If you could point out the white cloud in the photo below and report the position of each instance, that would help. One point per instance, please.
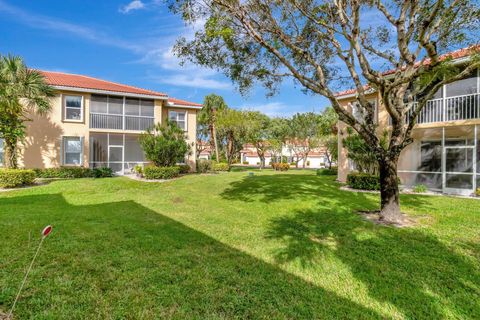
(194, 81)
(273, 109)
(134, 5)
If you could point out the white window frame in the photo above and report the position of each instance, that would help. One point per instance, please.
(176, 121)
(64, 151)
(64, 101)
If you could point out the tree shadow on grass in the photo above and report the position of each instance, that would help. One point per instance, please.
(122, 260)
(408, 268)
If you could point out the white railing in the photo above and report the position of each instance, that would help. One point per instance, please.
(138, 123)
(120, 122)
(463, 107)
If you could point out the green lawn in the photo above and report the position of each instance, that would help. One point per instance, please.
(275, 245)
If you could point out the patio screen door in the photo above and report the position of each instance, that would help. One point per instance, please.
(459, 171)
(115, 158)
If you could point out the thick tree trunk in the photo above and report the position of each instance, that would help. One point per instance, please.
(389, 192)
(10, 155)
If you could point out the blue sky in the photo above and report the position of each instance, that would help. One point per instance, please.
(128, 42)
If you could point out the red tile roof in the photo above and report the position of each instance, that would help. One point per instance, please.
(457, 54)
(79, 81)
(179, 102)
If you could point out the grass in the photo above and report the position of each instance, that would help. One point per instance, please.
(272, 245)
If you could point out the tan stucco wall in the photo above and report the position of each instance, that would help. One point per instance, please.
(410, 156)
(41, 148)
(191, 130)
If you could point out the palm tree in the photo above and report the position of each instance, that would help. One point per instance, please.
(212, 105)
(22, 91)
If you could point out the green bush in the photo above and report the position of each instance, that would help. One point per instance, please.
(184, 168)
(420, 188)
(293, 163)
(138, 169)
(327, 172)
(308, 163)
(477, 192)
(161, 172)
(64, 172)
(363, 181)
(204, 166)
(280, 166)
(11, 178)
(245, 162)
(222, 166)
(102, 172)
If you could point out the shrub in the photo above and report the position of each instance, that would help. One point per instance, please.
(64, 172)
(245, 162)
(477, 192)
(184, 168)
(293, 163)
(308, 163)
(164, 144)
(327, 172)
(11, 178)
(138, 169)
(420, 188)
(280, 166)
(161, 172)
(103, 172)
(363, 181)
(222, 166)
(204, 166)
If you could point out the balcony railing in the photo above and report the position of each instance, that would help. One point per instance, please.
(120, 122)
(463, 107)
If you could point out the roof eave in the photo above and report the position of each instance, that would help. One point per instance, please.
(122, 93)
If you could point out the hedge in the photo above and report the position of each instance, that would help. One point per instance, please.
(204, 166)
(280, 166)
(221, 166)
(151, 173)
(102, 172)
(327, 172)
(184, 168)
(363, 181)
(64, 172)
(11, 178)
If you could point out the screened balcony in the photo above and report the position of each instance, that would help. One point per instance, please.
(459, 100)
(121, 113)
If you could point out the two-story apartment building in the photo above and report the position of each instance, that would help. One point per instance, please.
(95, 123)
(445, 154)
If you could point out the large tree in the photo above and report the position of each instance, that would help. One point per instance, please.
(232, 128)
(212, 105)
(22, 92)
(324, 45)
(257, 133)
(305, 135)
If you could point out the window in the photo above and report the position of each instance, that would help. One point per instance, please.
(73, 108)
(180, 118)
(462, 87)
(73, 150)
(1, 152)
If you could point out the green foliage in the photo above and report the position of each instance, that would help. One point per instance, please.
(102, 172)
(361, 154)
(164, 144)
(221, 166)
(245, 162)
(477, 192)
(184, 168)
(363, 181)
(64, 172)
(232, 128)
(204, 166)
(12, 178)
(420, 188)
(152, 172)
(138, 169)
(279, 166)
(327, 172)
(22, 90)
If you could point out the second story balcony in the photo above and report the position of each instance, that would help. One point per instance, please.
(121, 113)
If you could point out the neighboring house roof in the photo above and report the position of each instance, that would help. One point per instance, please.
(182, 103)
(457, 54)
(65, 81)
